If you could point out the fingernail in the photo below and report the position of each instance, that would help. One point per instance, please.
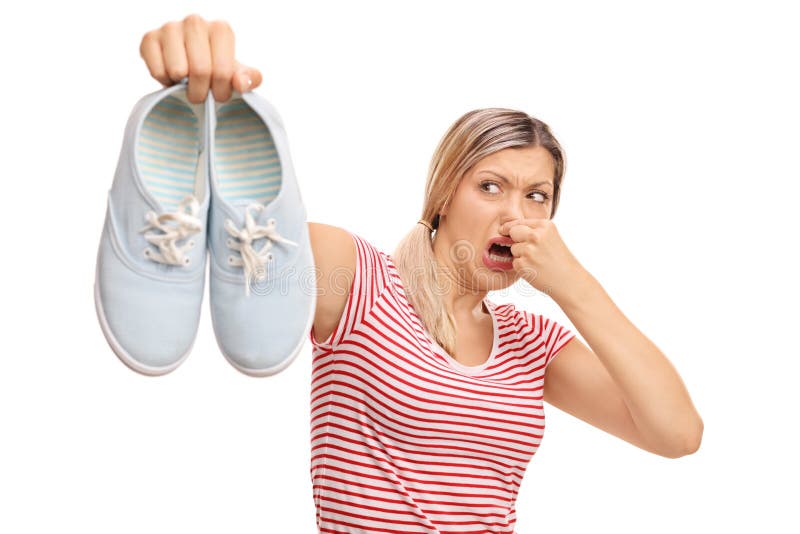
(245, 81)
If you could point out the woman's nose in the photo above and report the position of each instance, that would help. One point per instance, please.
(505, 228)
(512, 212)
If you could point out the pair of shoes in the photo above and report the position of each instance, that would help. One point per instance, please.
(195, 181)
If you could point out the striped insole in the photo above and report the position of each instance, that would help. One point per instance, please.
(168, 152)
(245, 159)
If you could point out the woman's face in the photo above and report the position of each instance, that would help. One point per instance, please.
(514, 183)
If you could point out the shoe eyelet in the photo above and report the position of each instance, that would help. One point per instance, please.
(271, 221)
(191, 243)
(270, 256)
(187, 261)
(229, 242)
(230, 260)
(147, 253)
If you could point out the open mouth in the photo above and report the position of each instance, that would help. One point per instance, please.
(501, 253)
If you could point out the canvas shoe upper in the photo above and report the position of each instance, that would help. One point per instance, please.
(151, 260)
(261, 278)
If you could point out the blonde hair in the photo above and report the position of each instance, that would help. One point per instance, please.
(472, 137)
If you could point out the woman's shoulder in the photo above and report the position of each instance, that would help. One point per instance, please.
(351, 273)
(506, 309)
(531, 327)
(521, 316)
(335, 246)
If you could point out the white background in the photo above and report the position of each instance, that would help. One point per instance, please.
(679, 122)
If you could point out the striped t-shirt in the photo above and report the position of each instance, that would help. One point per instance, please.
(406, 439)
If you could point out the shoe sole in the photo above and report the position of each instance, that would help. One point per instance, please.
(256, 177)
(167, 150)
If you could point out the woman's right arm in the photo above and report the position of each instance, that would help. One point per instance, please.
(335, 262)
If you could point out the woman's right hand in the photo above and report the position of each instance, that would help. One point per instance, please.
(201, 50)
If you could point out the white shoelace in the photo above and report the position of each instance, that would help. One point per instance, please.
(175, 225)
(252, 260)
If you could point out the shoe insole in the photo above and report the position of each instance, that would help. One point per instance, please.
(245, 159)
(168, 152)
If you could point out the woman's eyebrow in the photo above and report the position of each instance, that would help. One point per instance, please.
(507, 181)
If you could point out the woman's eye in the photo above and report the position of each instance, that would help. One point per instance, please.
(545, 196)
(544, 199)
(486, 184)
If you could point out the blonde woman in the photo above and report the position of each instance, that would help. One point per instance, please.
(427, 397)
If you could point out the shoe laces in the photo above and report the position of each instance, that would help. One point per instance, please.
(174, 226)
(253, 261)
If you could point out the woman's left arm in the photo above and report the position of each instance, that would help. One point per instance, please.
(651, 388)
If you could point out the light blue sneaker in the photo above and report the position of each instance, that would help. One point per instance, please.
(262, 281)
(151, 262)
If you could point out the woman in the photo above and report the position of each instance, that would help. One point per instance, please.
(427, 398)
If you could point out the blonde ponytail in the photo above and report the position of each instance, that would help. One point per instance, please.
(419, 271)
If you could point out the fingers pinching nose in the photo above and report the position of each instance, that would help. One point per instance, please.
(506, 226)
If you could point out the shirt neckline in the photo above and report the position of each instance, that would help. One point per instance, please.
(472, 369)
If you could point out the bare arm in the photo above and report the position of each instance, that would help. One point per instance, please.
(335, 263)
(625, 385)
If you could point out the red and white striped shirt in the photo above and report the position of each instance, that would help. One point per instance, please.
(406, 439)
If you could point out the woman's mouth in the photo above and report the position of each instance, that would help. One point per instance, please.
(497, 256)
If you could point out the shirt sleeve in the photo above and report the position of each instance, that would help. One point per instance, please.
(553, 334)
(370, 278)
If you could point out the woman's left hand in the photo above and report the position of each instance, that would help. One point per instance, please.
(541, 257)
